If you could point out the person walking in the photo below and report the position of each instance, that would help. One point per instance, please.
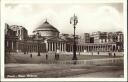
(110, 54)
(114, 55)
(98, 52)
(30, 55)
(46, 56)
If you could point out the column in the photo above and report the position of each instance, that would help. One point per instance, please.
(84, 47)
(17, 46)
(77, 48)
(96, 47)
(60, 46)
(68, 47)
(12, 45)
(52, 46)
(107, 47)
(93, 48)
(55, 46)
(112, 47)
(72, 47)
(87, 48)
(80, 48)
(64, 46)
(49, 46)
(102, 48)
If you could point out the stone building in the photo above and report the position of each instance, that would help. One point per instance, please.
(20, 31)
(99, 37)
(10, 39)
(109, 41)
(87, 37)
(46, 38)
(50, 37)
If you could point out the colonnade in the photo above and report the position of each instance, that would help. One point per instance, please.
(92, 47)
(53, 46)
(30, 47)
(10, 45)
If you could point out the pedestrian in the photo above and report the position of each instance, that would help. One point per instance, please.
(46, 56)
(114, 55)
(98, 52)
(55, 56)
(31, 55)
(110, 54)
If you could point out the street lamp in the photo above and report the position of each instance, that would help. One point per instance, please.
(74, 21)
(38, 41)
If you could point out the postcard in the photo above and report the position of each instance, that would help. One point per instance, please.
(63, 40)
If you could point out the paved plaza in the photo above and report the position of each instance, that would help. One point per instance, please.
(88, 66)
(27, 58)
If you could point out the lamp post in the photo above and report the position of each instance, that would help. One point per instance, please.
(38, 43)
(74, 21)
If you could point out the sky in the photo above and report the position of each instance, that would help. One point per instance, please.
(92, 17)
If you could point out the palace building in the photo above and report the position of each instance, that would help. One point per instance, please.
(46, 38)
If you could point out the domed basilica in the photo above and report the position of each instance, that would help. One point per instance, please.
(47, 30)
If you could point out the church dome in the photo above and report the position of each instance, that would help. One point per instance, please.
(47, 30)
(46, 27)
